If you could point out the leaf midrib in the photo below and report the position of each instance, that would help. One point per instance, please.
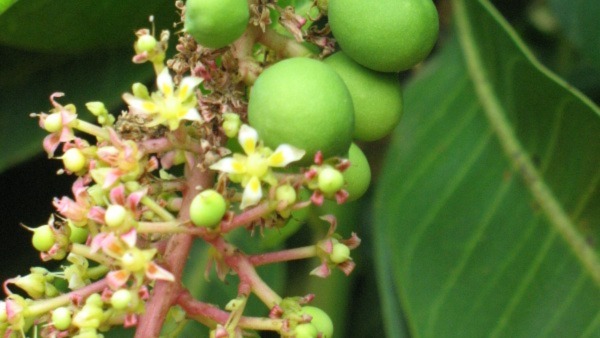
(513, 149)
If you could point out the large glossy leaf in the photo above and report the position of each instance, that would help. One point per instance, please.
(492, 230)
(579, 19)
(74, 26)
(5, 4)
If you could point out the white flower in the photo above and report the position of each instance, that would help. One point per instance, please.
(168, 106)
(255, 167)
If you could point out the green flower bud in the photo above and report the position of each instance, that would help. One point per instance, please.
(231, 124)
(121, 299)
(34, 284)
(340, 253)
(146, 43)
(207, 208)
(139, 90)
(74, 160)
(115, 215)
(286, 193)
(97, 194)
(61, 318)
(53, 123)
(97, 108)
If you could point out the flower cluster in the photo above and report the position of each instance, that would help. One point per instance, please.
(141, 182)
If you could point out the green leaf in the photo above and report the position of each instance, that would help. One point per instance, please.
(5, 4)
(492, 230)
(75, 26)
(579, 19)
(29, 78)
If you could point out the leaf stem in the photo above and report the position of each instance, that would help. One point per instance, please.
(514, 150)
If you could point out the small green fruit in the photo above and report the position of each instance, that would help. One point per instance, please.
(77, 234)
(43, 238)
(340, 253)
(377, 97)
(306, 330)
(216, 23)
(304, 103)
(320, 320)
(121, 299)
(207, 208)
(384, 35)
(286, 193)
(358, 175)
(330, 180)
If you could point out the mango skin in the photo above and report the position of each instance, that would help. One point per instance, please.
(377, 97)
(358, 175)
(304, 103)
(385, 35)
(216, 23)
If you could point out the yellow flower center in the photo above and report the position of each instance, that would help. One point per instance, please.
(171, 109)
(257, 165)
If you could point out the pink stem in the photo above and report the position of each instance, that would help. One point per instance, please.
(283, 256)
(210, 314)
(165, 293)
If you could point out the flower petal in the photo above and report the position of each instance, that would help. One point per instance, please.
(186, 87)
(165, 82)
(154, 272)
(229, 165)
(284, 154)
(252, 193)
(116, 279)
(192, 115)
(141, 105)
(248, 138)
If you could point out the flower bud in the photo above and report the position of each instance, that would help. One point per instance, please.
(340, 253)
(74, 160)
(121, 299)
(115, 215)
(97, 108)
(53, 123)
(33, 283)
(231, 124)
(286, 193)
(61, 318)
(139, 90)
(146, 43)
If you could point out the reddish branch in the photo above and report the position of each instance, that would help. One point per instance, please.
(165, 293)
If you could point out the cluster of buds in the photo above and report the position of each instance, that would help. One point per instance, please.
(153, 181)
